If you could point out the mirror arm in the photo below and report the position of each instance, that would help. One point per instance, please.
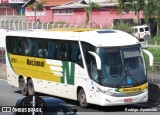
(151, 58)
(98, 60)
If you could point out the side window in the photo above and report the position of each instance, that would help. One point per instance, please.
(141, 29)
(61, 48)
(10, 44)
(33, 47)
(15, 45)
(87, 47)
(49, 49)
(92, 69)
(76, 54)
(27, 46)
(136, 30)
(90, 61)
(74, 51)
(40, 50)
(18, 46)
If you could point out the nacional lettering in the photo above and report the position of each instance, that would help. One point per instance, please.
(131, 89)
(35, 63)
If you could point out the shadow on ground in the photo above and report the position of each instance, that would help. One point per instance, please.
(154, 93)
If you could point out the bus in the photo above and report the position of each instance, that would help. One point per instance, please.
(101, 67)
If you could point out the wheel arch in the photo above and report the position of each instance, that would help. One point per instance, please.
(78, 90)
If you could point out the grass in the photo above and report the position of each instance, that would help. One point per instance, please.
(155, 40)
(155, 52)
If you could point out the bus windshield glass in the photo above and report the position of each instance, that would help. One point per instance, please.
(122, 66)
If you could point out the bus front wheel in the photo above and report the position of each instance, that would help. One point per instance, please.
(82, 98)
(23, 87)
(30, 87)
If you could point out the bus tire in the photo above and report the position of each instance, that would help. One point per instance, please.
(23, 87)
(30, 87)
(82, 99)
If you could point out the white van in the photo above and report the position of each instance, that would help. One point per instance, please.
(141, 32)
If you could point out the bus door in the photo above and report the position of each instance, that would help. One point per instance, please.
(72, 64)
(93, 91)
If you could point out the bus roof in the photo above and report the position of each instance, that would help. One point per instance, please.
(98, 38)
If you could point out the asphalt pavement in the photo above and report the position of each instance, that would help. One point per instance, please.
(154, 95)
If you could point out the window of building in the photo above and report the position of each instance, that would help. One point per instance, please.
(70, 12)
(63, 12)
(56, 12)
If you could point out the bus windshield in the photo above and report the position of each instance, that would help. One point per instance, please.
(122, 66)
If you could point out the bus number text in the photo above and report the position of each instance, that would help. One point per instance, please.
(13, 60)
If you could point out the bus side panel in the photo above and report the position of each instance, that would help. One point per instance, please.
(12, 77)
(82, 80)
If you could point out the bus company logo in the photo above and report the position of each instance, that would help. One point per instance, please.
(35, 63)
(6, 109)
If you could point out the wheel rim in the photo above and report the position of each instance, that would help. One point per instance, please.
(30, 89)
(23, 86)
(83, 99)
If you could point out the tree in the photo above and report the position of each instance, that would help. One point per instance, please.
(137, 6)
(148, 10)
(124, 5)
(152, 9)
(88, 11)
(35, 6)
(157, 13)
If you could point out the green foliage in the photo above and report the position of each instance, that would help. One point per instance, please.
(123, 26)
(152, 9)
(88, 10)
(148, 10)
(123, 6)
(155, 40)
(35, 7)
(156, 54)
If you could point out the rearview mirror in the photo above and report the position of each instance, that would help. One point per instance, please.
(97, 58)
(151, 58)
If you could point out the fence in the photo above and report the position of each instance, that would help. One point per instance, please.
(12, 24)
(2, 56)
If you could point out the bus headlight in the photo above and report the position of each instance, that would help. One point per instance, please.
(105, 92)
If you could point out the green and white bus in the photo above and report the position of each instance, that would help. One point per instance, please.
(102, 67)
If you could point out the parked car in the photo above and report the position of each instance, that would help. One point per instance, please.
(141, 32)
(49, 106)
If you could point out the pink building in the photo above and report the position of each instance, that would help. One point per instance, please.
(47, 14)
(72, 12)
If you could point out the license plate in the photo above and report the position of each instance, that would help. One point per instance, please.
(128, 100)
